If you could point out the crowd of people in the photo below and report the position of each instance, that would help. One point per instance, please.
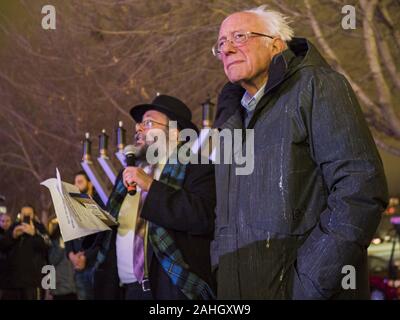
(27, 245)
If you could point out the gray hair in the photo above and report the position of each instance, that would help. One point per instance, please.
(276, 23)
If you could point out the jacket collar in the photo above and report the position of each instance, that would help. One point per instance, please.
(278, 69)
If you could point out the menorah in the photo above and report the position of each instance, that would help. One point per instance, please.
(108, 170)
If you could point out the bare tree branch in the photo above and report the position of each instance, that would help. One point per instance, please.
(384, 96)
(388, 148)
(336, 63)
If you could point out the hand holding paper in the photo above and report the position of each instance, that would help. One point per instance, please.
(78, 214)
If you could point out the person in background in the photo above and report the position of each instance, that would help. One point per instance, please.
(27, 245)
(83, 183)
(5, 240)
(5, 222)
(65, 283)
(82, 252)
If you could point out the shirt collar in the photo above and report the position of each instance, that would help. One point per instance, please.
(249, 102)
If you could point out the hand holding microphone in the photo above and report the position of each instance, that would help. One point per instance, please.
(130, 153)
(133, 176)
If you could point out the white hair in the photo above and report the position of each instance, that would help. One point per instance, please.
(276, 23)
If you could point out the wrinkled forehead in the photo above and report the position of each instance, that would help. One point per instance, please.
(241, 21)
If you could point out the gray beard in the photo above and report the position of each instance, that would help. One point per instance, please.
(141, 160)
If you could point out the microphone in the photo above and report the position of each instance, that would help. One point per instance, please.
(131, 152)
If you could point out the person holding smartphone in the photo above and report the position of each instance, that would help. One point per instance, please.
(27, 255)
(5, 225)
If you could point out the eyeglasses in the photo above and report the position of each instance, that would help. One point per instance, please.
(149, 124)
(239, 38)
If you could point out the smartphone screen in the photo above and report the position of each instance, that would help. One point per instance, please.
(27, 220)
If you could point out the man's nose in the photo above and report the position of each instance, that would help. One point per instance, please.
(228, 48)
(138, 127)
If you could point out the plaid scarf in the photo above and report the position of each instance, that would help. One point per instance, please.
(164, 246)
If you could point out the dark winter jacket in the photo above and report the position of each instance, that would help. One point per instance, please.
(26, 257)
(314, 200)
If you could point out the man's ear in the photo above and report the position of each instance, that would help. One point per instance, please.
(278, 46)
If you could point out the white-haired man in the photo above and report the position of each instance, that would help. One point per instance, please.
(314, 200)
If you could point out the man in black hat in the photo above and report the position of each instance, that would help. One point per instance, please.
(160, 249)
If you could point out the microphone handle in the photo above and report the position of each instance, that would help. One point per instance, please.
(132, 189)
(130, 162)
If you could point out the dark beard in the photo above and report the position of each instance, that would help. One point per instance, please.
(84, 190)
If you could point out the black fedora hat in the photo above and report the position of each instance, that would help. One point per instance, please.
(174, 108)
